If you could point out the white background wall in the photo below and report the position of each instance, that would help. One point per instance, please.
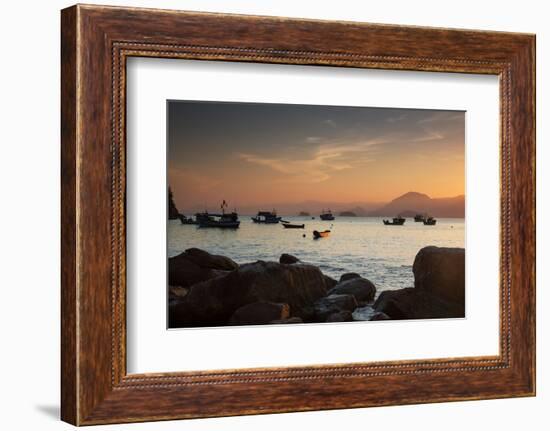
(29, 214)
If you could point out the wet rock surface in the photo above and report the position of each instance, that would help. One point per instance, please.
(349, 276)
(332, 304)
(440, 271)
(194, 266)
(362, 289)
(288, 259)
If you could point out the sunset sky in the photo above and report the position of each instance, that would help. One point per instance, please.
(265, 154)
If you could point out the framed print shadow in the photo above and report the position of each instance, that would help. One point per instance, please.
(280, 206)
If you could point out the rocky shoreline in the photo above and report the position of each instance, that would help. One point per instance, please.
(213, 290)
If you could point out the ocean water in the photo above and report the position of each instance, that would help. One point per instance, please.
(383, 254)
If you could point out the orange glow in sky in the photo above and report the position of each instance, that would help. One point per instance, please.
(265, 154)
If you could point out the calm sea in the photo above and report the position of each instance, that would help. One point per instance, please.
(383, 254)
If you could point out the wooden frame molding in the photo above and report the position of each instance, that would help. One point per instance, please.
(95, 43)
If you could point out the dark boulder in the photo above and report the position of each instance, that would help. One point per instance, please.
(439, 280)
(340, 316)
(411, 303)
(176, 292)
(288, 259)
(361, 288)
(213, 261)
(330, 282)
(331, 304)
(349, 276)
(194, 266)
(440, 271)
(260, 313)
(380, 316)
(212, 302)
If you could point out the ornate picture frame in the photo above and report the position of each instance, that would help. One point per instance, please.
(96, 41)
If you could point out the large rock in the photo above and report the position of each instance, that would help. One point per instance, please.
(176, 292)
(260, 313)
(213, 261)
(330, 282)
(212, 302)
(194, 266)
(439, 280)
(349, 276)
(440, 271)
(361, 288)
(380, 316)
(288, 259)
(332, 304)
(412, 303)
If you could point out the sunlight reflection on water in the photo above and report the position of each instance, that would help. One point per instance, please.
(383, 254)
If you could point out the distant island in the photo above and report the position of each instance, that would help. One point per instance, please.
(304, 214)
(347, 214)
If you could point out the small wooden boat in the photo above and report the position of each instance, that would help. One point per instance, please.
(323, 234)
(430, 221)
(288, 225)
(396, 221)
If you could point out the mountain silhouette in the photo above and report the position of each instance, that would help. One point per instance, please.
(412, 203)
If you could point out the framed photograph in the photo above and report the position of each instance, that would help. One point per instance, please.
(280, 207)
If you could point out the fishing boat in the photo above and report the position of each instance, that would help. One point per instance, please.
(430, 221)
(288, 225)
(323, 234)
(396, 221)
(267, 217)
(326, 215)
(420, 218)
(225, 220)
(187, 220)
(221, 220)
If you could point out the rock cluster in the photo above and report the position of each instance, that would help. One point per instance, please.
(213, 290)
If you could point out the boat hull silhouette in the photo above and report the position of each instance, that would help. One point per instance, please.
(293, 226)
(266, 217)
(396, 221)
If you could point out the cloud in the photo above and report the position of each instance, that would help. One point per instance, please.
(442, 116)
(330, 122)
(396, 119)
(324, 162)
(430, 135)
